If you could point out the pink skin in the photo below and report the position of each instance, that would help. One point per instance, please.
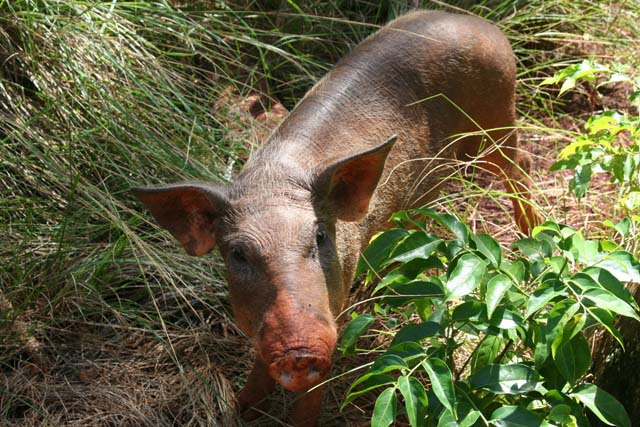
(303, 358)
(285, 281)
(290, 320)
(290, 317)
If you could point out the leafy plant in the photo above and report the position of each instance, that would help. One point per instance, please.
(611, 142)
(586, 72)
(601, 149)
(488, 338)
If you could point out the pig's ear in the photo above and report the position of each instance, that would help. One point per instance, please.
(189, 211)
(349, 184)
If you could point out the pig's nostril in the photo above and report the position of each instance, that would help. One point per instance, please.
(285, 379)
(298, 371)
(313, 375)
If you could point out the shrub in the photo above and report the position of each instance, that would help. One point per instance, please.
(500, 337)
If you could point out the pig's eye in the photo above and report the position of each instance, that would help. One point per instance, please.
(238, 256)
(321, 236)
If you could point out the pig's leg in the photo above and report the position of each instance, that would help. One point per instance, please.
(251, 400)
(512, 165)
(307, 409)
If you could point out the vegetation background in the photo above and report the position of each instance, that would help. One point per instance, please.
(103, 319)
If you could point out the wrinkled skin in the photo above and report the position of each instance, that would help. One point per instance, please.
(291, 226)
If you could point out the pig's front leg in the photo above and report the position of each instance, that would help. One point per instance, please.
(307, 409)
(252, 398)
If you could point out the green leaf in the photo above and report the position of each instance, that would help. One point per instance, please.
(416, 332)
(515, 271)
(571, 328)
(404, 217)
(506, 379)
(602, 404)
(558, 265)
(515, 416)
(384, 411)
(415, 399)
(486, 352)
(608, 301)
(496, 288)
(570, 150)
(587, 70)
(605, 126)
(408, 351)
(358, 326)
(609, 246)
(451, 222)
(560, 315)
(546, 292)
(470, 310)
(584, 251)
(549, 238)
(568, 84)
(557, 399)
(379, 249)
(608, 281)
(467, 416)
(581, 180)
(365, 384)
(599, 123)
(387, 363)
(407, 272)
(533, 248)
(541, 353)
(466, 276)
(441, 383)
(506, 319)
(623, 167)
(623, 226)
(488, 247)
(573, 359)
(418, 245)
(622, 265)
(631, 201)
(607, 320)
(617, 77)
(549, 81)
(562, 414)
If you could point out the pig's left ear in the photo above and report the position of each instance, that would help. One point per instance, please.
(188, 211)
(348, 185)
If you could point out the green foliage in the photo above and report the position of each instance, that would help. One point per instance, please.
(610, 143)
(586, 71)
(497, 338)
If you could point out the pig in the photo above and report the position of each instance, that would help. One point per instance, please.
(379, 133)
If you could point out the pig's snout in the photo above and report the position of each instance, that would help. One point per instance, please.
(300, 370)
(296, 340)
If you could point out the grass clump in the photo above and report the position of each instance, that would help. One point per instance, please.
(97, 97)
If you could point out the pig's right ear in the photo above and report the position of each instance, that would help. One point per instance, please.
(188, 211)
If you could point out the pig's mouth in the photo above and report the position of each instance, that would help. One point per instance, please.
(300, 369)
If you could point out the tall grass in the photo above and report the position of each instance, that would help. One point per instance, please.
(103, 319)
